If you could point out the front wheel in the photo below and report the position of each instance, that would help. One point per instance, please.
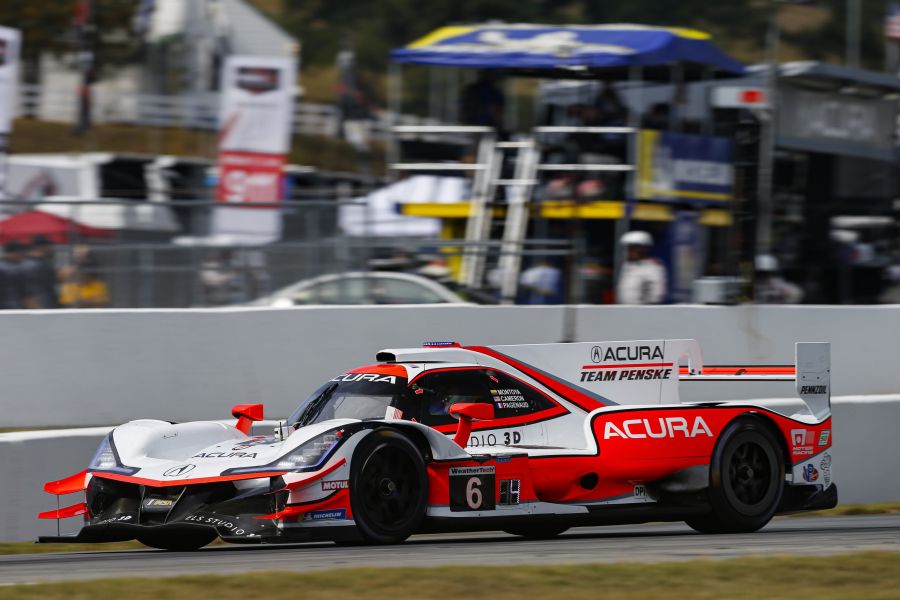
(388, 487)
(178, 542)
(746, 479)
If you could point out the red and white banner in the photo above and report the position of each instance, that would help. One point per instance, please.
(257, 108)
(10, 41)
(248, 177)
(255, 136)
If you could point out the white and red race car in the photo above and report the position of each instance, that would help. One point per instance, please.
(529, 439)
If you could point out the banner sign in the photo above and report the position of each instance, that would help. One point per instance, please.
(255, 135)
(679, 166)
(836, 123)
(10, 41)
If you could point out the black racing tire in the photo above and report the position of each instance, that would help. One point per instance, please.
(388, 487)
(746, 479)
(537, 532)
(178, 541)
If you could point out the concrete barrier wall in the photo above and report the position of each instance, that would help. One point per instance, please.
(865, 448)
(74, 368)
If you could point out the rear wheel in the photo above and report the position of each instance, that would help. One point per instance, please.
(746, 479)
(388, 487)
(178, 542)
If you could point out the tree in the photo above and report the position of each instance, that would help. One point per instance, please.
(47, 27)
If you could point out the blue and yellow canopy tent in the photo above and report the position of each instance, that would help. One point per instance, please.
(568, 51)
(613, 51)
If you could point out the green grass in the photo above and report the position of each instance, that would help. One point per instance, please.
(33, 548)
(871, 575)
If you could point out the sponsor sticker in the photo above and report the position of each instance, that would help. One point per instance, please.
(640, 491)
(663, 427)
(810, 473)
(813, 390)
(373, 377)
(225, 455)
(179, 471)
(462, 471)
(159, 502)
(116, 519)
(231, 526)
(627, 375)
(326, 515)
(472, 488)
(330, 486)
(801, 440)
(600, 354)
(824, 436)
(510, 490)
(825, 468)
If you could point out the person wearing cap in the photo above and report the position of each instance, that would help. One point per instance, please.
(643, 277)
(768, 285)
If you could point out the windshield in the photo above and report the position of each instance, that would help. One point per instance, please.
(352, 396)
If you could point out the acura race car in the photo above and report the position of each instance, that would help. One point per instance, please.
(529, 439)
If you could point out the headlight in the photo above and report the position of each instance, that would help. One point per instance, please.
(310, 454)
(106, 459)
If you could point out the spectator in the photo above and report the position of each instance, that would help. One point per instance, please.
(769, 287)
(222, 282)
(40, 274)
(608, 108)
(542, 283)
(14, 292)
(643, 277)
(83, 287)
(482, 102)
(658, 117)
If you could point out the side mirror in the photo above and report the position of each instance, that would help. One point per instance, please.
(246, 414)
(466, 413)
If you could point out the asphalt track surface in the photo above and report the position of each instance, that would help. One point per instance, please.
(632, 543)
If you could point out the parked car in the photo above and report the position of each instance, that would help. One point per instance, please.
(362, 288)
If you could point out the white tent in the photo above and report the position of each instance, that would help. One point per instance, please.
(378, 214)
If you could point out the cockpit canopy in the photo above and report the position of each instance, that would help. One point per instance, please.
(378, 395)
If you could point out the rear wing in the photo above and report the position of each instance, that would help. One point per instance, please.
(811, 372)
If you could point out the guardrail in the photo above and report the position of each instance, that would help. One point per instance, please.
(195, 111)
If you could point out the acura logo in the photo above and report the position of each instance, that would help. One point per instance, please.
(179, 471)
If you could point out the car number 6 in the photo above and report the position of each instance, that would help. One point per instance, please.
(474, 496)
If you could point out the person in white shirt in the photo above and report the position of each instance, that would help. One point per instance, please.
(543, 284)
(643, 277)
(769, 287)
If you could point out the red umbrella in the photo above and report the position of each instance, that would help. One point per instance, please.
(23, 227)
